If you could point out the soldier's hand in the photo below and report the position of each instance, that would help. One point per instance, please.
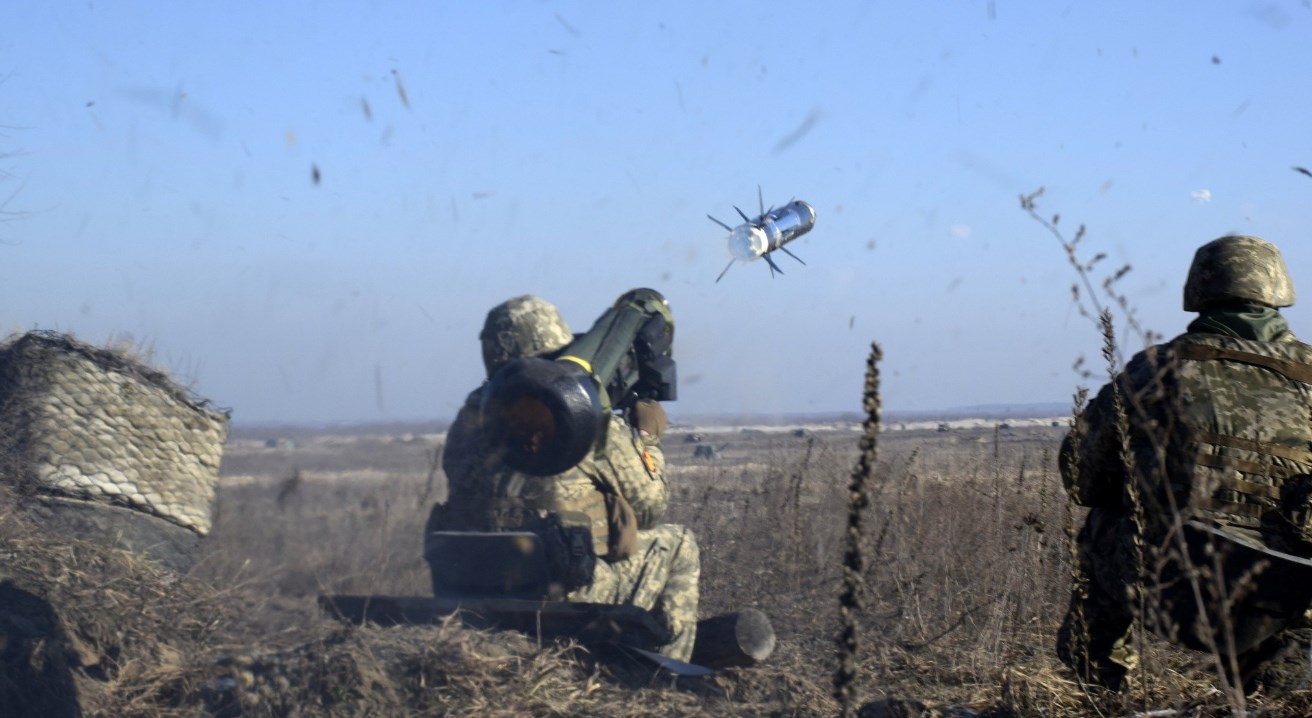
(648, 417)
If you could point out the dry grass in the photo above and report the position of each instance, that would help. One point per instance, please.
(967, 569)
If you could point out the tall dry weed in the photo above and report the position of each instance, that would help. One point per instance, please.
(854, 563)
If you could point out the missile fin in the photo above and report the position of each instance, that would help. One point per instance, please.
(760, 200)
(794, 256)
(722, 224)
(740, 214)
(726, 271)
(773, 267)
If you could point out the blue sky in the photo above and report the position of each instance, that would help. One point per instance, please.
(160, 158)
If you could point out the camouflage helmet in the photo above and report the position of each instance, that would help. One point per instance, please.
(1237, 268)
(520, 327)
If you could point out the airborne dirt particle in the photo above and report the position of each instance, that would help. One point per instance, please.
(400, 89)
(808, 123)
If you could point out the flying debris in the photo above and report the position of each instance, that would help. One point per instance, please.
(400, 89)
(770, 230)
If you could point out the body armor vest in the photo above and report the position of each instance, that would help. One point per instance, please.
(1244, 413)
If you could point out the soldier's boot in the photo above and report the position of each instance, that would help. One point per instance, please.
(1099, 654)
(1280, 664)
(1096, 637)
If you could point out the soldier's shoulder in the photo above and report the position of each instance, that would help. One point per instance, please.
(1293, 344)
(1289, 346)
(472, 408)
(468, 424)
(1151, 359)
(1286, 345)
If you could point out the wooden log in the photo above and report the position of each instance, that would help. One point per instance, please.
(733, 640)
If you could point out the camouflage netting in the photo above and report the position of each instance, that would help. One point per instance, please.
(95, 424)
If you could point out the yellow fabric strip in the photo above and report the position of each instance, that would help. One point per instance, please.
(581, 362)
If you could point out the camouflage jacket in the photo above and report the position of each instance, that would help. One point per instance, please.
(1218, 425)
(487, 492)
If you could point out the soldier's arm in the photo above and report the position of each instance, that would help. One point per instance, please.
(1090, 454)
(463, 452)
(638, 471)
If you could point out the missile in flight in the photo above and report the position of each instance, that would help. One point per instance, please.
(770, 230)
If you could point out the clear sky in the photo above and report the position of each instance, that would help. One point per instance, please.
(159, 162)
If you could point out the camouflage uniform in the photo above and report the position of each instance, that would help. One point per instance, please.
(661, 575)
(1220, 431)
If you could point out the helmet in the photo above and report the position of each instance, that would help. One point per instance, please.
(521, 327)
(1237, 268)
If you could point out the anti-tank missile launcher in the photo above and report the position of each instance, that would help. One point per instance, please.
(544, 414)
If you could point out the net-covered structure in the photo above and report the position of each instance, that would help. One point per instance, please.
(84, 424)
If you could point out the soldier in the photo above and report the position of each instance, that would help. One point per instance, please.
(1217, 432)
(618, 497)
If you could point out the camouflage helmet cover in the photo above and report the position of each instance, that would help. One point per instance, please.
(520, 327)
(1237, 268)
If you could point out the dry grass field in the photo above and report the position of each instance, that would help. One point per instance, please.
(967, 549)
(967, 573)
(967, 553)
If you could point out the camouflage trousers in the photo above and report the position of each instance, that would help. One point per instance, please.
(1096, 639)
(661, 577)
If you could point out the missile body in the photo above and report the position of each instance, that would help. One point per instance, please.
(770, 231)
(756, 238)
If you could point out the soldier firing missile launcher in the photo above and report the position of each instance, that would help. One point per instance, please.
(770, 230)
(547, 414)
(541, 415)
